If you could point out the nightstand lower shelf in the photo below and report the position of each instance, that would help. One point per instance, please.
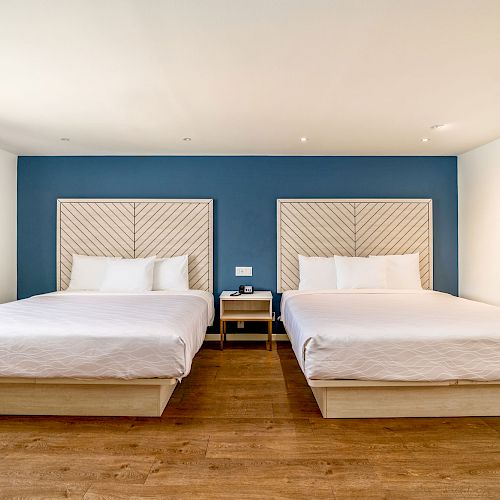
(246, 317)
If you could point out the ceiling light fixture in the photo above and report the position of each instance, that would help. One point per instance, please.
(303, 139)
(425, 139)
(186, 139)
(65, 139)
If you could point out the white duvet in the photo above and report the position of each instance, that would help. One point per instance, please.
(97, 335)
(392, 335)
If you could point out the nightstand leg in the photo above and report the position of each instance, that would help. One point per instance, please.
(269, 335)
(221, 335)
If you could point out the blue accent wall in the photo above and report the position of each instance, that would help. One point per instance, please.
(244, 190)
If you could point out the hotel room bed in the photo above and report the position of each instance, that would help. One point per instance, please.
(392, 335)
(98, 354)
(382, 353)
(95, 335)
(388, 353)
(410, 352)
(111, 354)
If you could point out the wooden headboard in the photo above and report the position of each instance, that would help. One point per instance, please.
(131, 228)
(352, 227)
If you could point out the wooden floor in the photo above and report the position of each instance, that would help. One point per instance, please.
(245, 425)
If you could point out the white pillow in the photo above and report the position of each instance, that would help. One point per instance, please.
(129, 275)
(87, 272)
(360, 272)
(403, 271)
(171, 273)
(317, 273)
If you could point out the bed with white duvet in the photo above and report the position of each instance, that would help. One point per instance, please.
(97, 335)
(374, 353)
(371, 336)
(392, 335)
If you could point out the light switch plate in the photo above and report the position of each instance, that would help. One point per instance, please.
(243, 271)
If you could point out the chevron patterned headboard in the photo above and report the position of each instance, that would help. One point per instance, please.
(131, 228)
(352, 227)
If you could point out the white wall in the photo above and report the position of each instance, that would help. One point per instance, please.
(479, 223)
(8, 226)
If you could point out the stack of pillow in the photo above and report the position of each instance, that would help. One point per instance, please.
(114, 274)
(374, 272)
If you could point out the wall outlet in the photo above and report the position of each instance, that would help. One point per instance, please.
(243, 271)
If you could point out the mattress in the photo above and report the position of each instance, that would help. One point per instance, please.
(98, 335)
(398, 335)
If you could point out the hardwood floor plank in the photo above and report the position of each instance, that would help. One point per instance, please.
(171, 492)
(74, 468)
(41, 490)
(359, 438)
(290, 478)
(90, 444)
(441, 476)
(447, 434)
(191, 428)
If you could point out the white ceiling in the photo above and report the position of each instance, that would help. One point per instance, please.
(357, 77)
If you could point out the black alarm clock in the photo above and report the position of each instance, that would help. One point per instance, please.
(246, 289)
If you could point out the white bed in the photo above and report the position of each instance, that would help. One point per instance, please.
(91, 353)
(383, 353)
(92, 335)
(393, 335)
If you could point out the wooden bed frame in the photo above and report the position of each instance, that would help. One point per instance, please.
(379, 399)
(127, 228)
(361, 227)
(108, 397)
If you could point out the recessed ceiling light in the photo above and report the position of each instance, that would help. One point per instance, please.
(425, 139)
(437, 126)
(65, 139)
(187, 139)
(303, 139)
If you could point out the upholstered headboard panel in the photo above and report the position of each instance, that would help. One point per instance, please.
(132, 228)
(352, 227)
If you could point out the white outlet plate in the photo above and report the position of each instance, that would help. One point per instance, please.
(243, 271)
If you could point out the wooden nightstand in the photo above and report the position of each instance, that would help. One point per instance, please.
(257, 306)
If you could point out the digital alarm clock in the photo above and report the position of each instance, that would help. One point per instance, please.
(246, 289)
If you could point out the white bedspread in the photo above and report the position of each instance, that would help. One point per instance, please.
(97, 335)
(392, 335)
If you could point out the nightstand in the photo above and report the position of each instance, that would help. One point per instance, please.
(257, 306)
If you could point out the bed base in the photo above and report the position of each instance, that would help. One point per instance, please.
(107, 397)
(379, 399)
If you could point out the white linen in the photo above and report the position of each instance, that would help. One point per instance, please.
(413, 335)
(360, 272)
(317, 273)
(171, 273)
(402, 271)
(87, 272)
(129, 275)
(98, 335)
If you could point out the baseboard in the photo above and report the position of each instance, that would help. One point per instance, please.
(246, 336)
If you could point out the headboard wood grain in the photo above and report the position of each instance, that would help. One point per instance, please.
(132, 228)
(352, 227)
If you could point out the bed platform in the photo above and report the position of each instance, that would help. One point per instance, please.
(53, 396)
(379, 399)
